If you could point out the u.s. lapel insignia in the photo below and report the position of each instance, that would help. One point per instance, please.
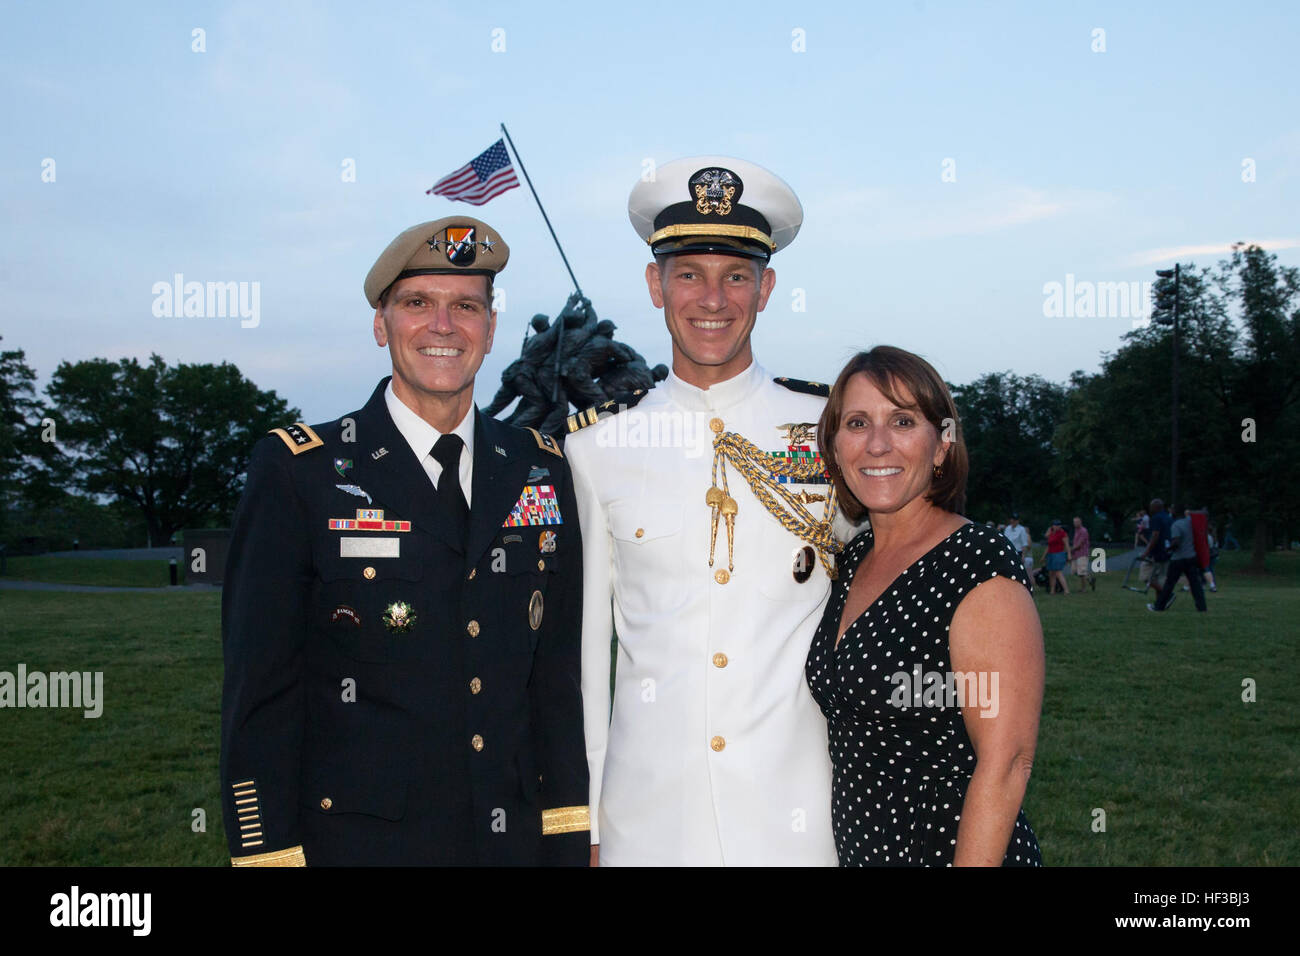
(546, 542)
(378, 453)
(537, 504)
(355, 490)
(342, 466)
(535, 610)
(500, 451)
(399, 617)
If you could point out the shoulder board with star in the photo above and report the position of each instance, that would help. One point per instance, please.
(299, 437)
(589, 416)
(805, 388)
(546, 442)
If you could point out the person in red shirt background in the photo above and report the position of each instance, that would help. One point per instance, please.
(1056, 547)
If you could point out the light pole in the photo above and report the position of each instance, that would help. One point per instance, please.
(1165, 306)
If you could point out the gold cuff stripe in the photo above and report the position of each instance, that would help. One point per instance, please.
(246, 800)
(290, 857)
(243, 783)
(245, 793)
(565, 820)
(712, 229)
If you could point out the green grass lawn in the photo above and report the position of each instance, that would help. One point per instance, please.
(96, 571)
(1143, 719)
(119, 789)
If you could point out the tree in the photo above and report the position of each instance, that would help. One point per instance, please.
(1265, 390)
(172, 442)
(1008, 423)
(1113, 442)
(24, 455)
(1238, 403)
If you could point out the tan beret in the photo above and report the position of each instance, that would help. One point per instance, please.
(457, 245)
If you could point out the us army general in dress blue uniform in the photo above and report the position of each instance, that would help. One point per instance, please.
(402, 677)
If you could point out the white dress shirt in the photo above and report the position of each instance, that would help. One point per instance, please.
(422, 436)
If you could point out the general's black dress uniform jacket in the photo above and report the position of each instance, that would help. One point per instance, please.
(418, 708)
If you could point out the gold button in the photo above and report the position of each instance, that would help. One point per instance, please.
(472, 628)
(476, 742)
(715, 425)
(541, 565)
(717, 743)
(719, 659)
(721, 576)
(475, 686)
(326, 803)
(368, 574)
(472, 572)
(640, 532)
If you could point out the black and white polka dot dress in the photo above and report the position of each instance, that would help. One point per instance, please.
(901, 768)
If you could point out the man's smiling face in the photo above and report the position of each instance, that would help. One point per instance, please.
(711, 303)
(438, 328)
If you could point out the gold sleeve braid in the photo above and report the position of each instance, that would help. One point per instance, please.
(760, 470)
(565, 820)
(290, 857)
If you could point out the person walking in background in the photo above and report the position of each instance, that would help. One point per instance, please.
(1182, 560)
(1157, 547)
(1055, 559)
(1143, 533)
(1080, 549)
(1018, 535)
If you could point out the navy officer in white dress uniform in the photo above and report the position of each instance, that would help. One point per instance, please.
(401, 608)
(716, 566)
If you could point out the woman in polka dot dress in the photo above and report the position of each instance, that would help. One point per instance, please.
(928, 662)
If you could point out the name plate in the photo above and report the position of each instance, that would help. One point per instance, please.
(370, 547)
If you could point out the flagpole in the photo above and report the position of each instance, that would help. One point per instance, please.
(545, 218)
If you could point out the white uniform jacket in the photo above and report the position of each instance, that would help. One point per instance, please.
(715, 753)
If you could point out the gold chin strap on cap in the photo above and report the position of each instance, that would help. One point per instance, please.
(712, 229)
(761, 470)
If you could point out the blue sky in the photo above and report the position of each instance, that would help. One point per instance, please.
(225, 165)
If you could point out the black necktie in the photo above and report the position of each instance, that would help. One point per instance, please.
(446, 452)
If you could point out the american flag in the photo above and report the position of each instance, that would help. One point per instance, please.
(486, 175)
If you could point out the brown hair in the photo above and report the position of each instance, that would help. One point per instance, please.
(891, 369)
